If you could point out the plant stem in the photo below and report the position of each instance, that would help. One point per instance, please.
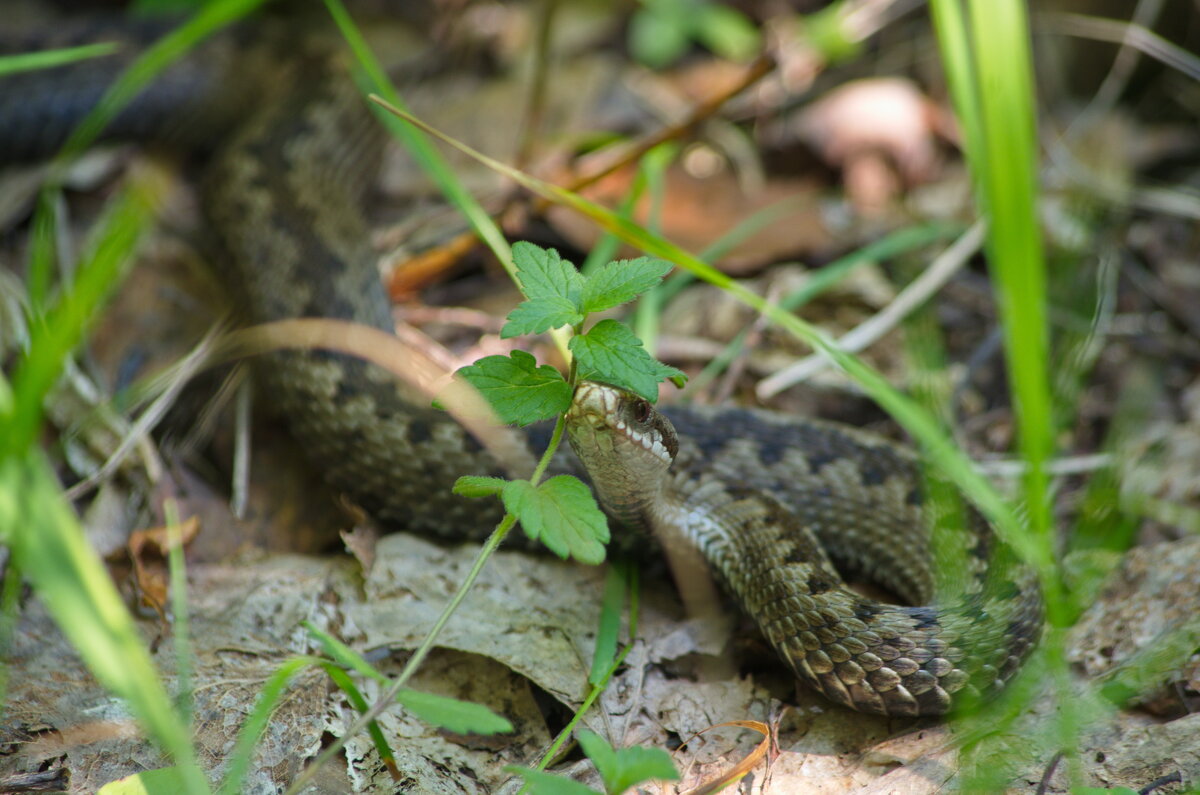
(383, 702)
(600, 686)
(560, 426)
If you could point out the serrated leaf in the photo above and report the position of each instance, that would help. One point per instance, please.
(539, 782)
(621, 281)
(518, 389)
(545, 275)
(461, 717)
(562, 513)
(600, 752)
(540, 314)
(611, 352)
(628, 767)
(476, 486)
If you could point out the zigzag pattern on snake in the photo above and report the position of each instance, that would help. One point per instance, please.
(777, 505)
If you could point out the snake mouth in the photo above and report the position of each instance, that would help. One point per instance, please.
(627, 421)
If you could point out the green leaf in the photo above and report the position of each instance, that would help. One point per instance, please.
(602, 755)
(678, 378)
(461, 717)
(611, 352)
(552, 286)
(538, 315)
(562, 513)
(727, 32)
(621, 281)
(826, 32)
(657, 37)
(624, 769)
(478, 486)
(538, 782)
(518, 389)
(163, 781)
(545, 275)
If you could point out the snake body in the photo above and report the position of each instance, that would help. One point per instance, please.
(771, 505)
(771, 502)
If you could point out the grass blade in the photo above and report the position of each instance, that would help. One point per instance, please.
(46, 59)
(374, 79)
(50, 549)
(59, 331)
(1009, 190)
(256, 723)
(208, 20)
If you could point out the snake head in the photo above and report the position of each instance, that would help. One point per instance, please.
(625, 445)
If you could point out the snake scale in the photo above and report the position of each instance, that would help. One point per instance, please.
(776, 505)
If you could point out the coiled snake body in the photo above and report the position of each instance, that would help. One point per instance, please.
(771, 502)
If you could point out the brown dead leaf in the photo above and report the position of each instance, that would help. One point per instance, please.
(148, 549)
(360, 542)
(60, 741)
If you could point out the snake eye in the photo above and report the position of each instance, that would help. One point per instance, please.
(641, 410)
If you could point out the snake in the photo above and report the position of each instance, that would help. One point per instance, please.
(778, 507)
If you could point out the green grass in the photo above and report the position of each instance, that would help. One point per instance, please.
(48, 545)
(372, 79)
(46, 59)
(988, 65)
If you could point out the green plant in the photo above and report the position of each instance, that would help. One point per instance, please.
(560, 512)
(662, 30)
(620, 770)
(25, 62)
(35, 522)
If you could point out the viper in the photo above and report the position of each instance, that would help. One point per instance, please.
(775, 505)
